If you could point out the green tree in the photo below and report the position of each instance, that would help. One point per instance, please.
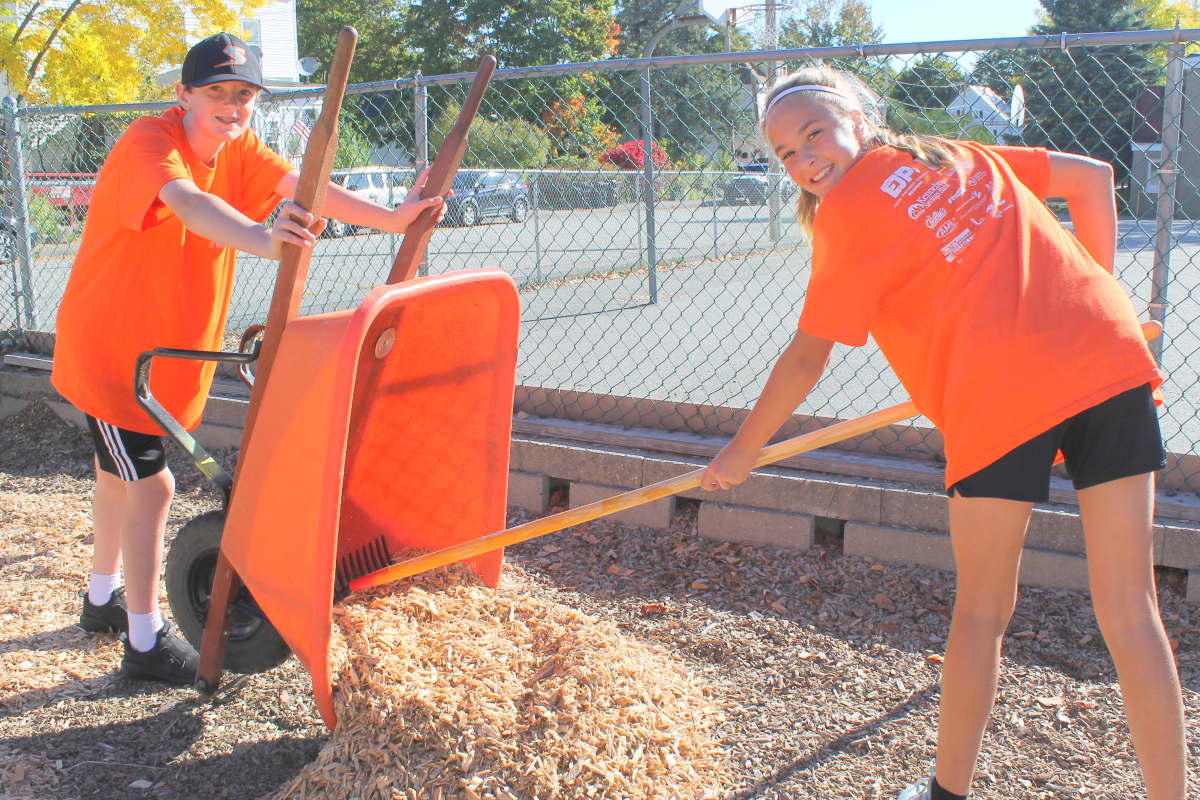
(497, 143)
(829, 23)
(929, 82)
(382, 52)
(1081, 101)
(689, 105)
(837, 23)
(397, 37)
(68, 53)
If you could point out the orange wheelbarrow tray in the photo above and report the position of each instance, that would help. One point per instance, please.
(382, 427)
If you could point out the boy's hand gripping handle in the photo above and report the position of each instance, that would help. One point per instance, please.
(441, 178)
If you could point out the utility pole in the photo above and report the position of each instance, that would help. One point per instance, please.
(774, 168)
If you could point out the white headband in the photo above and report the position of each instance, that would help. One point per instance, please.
(808, 87)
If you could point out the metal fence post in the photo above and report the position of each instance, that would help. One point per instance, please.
(421, 141)
(537, 230)
(1164, 235)
(648, 169)
(24, 244)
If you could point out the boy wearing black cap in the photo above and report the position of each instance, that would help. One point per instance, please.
(177, 196)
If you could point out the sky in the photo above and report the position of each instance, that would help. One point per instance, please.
(941, 20)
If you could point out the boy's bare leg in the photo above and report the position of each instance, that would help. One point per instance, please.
(1117, 520)
(108, 509)
(987, 535)
(143, 525)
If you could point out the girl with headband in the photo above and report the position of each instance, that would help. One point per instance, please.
(1013, 337)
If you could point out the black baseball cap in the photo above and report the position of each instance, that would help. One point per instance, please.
(222, 57)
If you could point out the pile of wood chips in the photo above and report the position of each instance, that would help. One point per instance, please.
(448, 689)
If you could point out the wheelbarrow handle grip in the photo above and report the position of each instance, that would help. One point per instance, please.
(556, 522)
(441, 177)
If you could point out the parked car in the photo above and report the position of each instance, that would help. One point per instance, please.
(69, 192)
(564, 190)
(754, 189)
(8, 235)
(753, 186)
(480, 195)
(382, 185)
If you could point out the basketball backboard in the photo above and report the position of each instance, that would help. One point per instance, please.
(716, 10)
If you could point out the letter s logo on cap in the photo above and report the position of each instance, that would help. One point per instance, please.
(899, 179)
(237, 57)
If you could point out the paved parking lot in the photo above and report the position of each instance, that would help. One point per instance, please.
(726, 303)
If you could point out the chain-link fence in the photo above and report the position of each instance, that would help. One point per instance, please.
(657, 291)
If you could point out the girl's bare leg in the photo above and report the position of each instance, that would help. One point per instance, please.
(1117, 522)
(987, 535)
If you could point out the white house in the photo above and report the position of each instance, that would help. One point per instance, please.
(988, 109)
(272, 29)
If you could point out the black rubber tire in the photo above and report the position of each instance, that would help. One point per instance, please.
(336, 229)
(519, 210)
(254, 645)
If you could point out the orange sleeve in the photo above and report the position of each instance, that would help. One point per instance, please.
(151, 161)
(1030, 164)
(262, 169)
(843, 293)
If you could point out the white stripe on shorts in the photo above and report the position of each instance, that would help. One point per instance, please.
(116, 449)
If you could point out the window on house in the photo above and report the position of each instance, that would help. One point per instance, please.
(252, 33)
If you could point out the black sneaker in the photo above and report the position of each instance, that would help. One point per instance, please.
(171, 660)
(111, 617)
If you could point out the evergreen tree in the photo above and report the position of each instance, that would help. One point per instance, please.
(1081, 101)
(931, 82)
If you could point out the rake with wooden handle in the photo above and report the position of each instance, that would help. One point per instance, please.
(556, 522)
(441, 177)
(285, 306)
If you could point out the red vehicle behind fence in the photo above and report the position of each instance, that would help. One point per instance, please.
(69, 191)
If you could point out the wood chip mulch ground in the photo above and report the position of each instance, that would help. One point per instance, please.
(821, 670)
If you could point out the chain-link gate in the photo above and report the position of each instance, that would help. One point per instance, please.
(660, 264)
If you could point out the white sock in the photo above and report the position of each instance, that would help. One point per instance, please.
(101, 587)
(143, 630)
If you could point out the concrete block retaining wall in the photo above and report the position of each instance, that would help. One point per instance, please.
(884, 520)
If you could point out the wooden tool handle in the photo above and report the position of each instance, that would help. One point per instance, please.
(310, 195)
(441, 177)
(285, 305)
(556, 522)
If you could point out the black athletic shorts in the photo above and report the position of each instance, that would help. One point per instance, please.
(129, 455)
(1117, 438)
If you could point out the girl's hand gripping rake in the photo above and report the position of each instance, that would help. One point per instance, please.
(556, 522)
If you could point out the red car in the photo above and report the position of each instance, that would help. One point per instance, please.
(70, 191)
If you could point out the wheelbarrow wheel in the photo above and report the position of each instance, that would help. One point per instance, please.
(254, 645)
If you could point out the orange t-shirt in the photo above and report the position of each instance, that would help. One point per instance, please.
(996, 320)
(140, 280)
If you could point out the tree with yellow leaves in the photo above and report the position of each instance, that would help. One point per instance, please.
(69, 52)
